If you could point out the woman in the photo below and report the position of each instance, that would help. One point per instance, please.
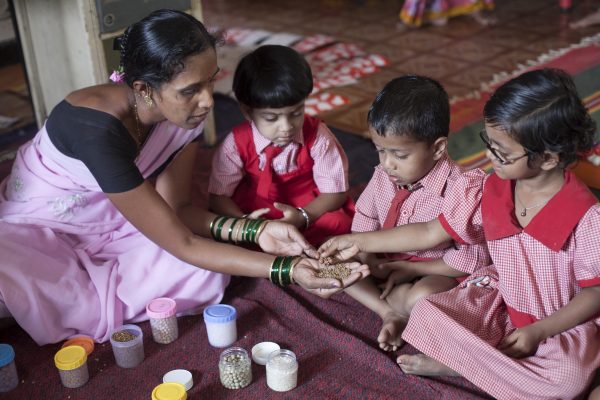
(95, 218)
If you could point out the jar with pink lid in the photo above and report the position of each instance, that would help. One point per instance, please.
(163, 321)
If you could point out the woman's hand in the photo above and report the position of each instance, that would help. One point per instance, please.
(306, 271)
(522, 342)
(284, 239)
(341, 247)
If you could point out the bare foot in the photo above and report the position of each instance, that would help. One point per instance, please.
(588, 20)
(482, 19)
(420, 364)
(390, 336)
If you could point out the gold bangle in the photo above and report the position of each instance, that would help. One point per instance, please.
(236, 234)
(296, 261)
(259, 231)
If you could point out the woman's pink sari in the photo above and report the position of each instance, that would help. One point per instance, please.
(71, 263)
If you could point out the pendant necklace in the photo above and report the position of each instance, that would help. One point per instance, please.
(525, 209)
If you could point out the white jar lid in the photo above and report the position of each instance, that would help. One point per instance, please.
(261, 351)
(182, 376)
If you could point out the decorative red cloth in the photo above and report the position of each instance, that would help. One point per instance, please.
(296, 188)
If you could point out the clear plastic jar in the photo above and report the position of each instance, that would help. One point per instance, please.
(71, 362)
(220, 320)
(282, 370)
(128, 346)
(9, 379)
(234, 368)
(163, 321)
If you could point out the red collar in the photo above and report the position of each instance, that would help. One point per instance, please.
(551, 226)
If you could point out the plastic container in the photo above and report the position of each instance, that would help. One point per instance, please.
(169, 391)
(282, 370)
(261, 352)
(235, 370)
(163, 321)
(128, 346)
(220, 320)
(182, 376)
(9, 379)
(71, 362)
(84, 341)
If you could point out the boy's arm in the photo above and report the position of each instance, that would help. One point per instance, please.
(410, 237)
(417, 269)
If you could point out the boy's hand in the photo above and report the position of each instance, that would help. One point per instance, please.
(257, 213)
(291, 215)
(522, 342)
(343, 247)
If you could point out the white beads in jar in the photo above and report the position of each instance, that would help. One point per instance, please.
(220, 320)
(8, 371)
(282, 370)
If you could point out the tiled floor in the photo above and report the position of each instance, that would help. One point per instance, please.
(462, 54)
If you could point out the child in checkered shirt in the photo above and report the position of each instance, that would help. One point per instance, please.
(408, 124)
(527, 326)
(280, 163)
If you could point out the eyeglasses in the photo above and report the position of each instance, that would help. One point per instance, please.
(501, 157)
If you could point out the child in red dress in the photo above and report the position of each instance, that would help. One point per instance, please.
(281, 164)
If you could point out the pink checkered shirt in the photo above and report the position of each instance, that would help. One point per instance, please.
(443, 183)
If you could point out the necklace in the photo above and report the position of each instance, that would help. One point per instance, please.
(525, 209)
(137, 122)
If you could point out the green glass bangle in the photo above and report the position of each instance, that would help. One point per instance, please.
(250, 229)
(220, 227)
(235, 220)
(275, 269)
(254, 229)
(213, 224)
(284, 271)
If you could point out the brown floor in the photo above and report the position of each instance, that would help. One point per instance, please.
(462, 54)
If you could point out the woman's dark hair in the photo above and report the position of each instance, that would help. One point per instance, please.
(154, 49)
(272, 76)
(542, 111)
(411, 105)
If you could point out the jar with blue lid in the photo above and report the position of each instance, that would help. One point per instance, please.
(8, 371)
(220, 320)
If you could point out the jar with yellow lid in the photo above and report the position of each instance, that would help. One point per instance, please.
(71, 362)
(169, 391)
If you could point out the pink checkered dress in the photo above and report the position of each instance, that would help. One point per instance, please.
(445, 180)
(537, 270)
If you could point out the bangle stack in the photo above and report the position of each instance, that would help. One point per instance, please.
(237, 230)
(305, 215)
(282, 270)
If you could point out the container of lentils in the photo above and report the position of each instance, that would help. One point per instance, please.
(163, 321)
(9, 379)
(71, 362)
(282, 370)
(220, 320)
(234, 368)
(128, 346)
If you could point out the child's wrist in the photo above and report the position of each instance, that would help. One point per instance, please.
(304, 216)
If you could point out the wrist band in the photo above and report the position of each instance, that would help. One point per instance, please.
(305, 215)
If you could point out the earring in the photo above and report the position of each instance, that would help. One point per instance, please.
(148, 100)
